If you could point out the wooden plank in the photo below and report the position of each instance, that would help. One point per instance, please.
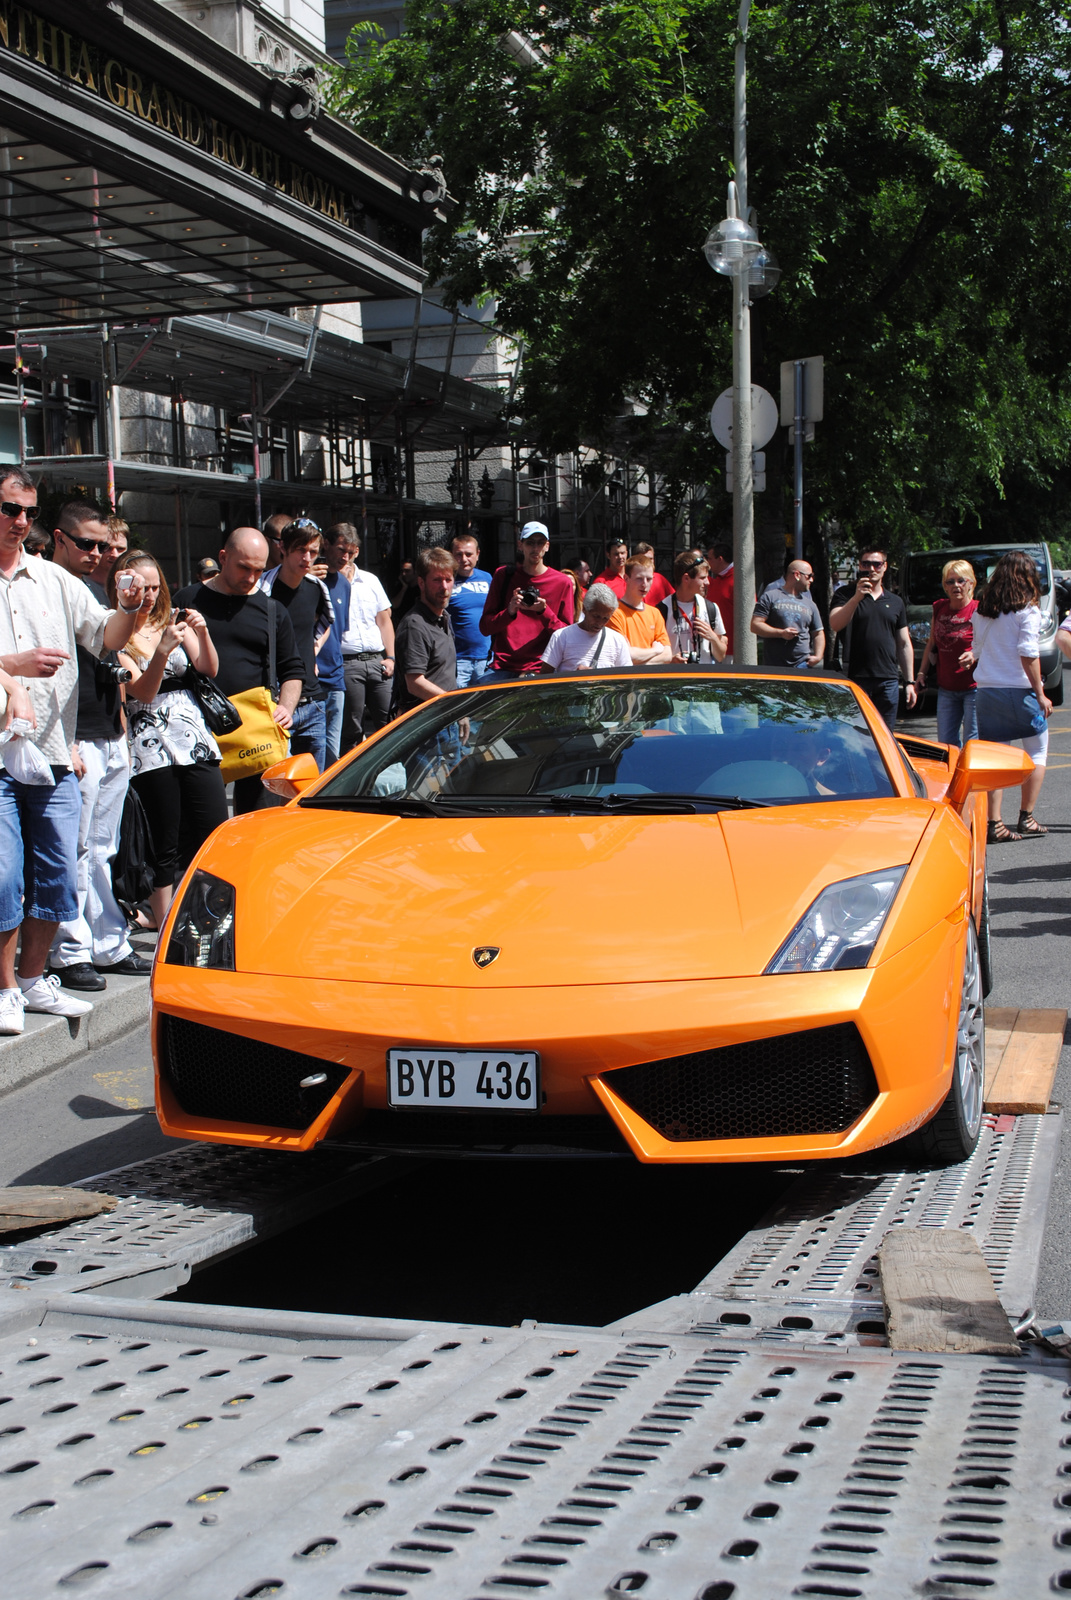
(999, 1024)
(939, 1295)
(1022, 1083)
(35, 1205)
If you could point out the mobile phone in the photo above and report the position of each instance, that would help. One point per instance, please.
(180, 615)
(124, 581)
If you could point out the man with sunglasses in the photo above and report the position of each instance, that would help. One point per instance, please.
(95, 941)
(876, 647)
(45, 614)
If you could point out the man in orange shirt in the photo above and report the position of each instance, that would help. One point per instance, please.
(661, 588)
(643, 626)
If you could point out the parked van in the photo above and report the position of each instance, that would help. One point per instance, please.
(920, 586)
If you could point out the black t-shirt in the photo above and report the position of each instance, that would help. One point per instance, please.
(424, 643)
(305, 606)
(871, 643)
(99, 700)
(238, 627)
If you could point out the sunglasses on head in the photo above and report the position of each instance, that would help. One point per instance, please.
(301, 523)
(11, 508)
(87, 544)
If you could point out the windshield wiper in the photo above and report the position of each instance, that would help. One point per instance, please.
(663, 801)
(395, 805)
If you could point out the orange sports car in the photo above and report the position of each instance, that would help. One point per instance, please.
(698, 914)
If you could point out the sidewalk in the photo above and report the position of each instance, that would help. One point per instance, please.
(48, 1042)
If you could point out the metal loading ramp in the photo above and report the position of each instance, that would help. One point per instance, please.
(181, 1452)
(751, 1439)
(810, 1266)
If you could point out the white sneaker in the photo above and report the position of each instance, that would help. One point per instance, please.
(45, 994)
(11, 1017)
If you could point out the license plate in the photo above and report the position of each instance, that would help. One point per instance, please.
(462, 1080)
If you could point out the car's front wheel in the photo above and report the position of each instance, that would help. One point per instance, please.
(952, 1134)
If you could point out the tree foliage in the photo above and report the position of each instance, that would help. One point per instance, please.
(911, 165)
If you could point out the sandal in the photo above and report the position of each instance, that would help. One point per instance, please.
(142, 924)
(1000, 833)
(1027, 828)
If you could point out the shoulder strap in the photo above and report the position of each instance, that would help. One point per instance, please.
(273, 626)
(598, 648)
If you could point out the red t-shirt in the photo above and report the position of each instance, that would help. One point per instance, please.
(520, 641)
(660, 590)
(952, 635)
(613, 580)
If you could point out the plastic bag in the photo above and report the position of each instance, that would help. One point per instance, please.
(21, 758)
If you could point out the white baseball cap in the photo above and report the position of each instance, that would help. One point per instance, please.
(534, 530)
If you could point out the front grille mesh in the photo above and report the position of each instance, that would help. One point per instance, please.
(818, 1081)
(233, 1079)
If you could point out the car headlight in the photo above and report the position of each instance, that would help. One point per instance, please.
(841, 928)
(203, 931)
(919, 631)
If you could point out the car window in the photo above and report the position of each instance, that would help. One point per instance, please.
(920, 583)
(546, 744)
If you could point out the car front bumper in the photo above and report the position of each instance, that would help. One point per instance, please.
(905, 1010)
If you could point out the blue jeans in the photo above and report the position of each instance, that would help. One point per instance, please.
(885, 693)
(39, 843)
(308, 731)
(334, 706)
(956, 708)
(470, 669)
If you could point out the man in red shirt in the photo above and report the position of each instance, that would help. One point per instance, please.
(720, 583)
(614, 575)
(527, 603)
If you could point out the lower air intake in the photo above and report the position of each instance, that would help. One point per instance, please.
(818, 1081)
(234, 1079)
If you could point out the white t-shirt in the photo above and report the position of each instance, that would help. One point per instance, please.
(998, 644)
(367, 599)
(571, 649)
(680, 630)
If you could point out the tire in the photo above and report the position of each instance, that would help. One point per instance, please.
(985, 943)
(952, 1134)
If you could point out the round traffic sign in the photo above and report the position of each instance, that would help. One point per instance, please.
(764, 417)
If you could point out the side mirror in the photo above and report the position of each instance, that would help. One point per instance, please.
(983, 766)
(290, 777)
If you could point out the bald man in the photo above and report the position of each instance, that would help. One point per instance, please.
(239, 622)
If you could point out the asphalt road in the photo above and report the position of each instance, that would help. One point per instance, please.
(487, 1242)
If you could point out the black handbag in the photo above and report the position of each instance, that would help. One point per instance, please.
(135, 859)
(220, 715)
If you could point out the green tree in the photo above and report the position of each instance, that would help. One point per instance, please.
(910, 161)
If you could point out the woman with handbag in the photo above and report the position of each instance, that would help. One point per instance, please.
(1012, 705)
(174, 758)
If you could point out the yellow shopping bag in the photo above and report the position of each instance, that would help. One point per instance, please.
(259, 743)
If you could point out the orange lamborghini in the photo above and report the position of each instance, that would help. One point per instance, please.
(698, 914)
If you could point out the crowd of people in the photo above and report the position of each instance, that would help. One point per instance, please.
(104, 673)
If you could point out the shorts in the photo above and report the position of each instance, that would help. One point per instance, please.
(39, 843)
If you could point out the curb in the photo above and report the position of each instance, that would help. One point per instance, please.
(50, 1042)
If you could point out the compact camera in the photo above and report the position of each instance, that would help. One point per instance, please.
(529, 596)
(110, 672)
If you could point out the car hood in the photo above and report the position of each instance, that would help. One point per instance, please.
(566, 900)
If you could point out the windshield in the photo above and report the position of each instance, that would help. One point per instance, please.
(920, 583)
(679, 744)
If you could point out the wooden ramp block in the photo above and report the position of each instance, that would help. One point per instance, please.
(999, 1025)
(1022, 1082)
(939, 1295)
(32, 1205)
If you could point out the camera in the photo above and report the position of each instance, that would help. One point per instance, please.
(180, 615)
(110, 672)
(529, 596)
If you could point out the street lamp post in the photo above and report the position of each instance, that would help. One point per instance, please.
(732, 248)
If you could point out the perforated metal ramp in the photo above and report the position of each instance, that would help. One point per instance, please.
(180, 1453)
(810, 1266)
(176, 1211)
